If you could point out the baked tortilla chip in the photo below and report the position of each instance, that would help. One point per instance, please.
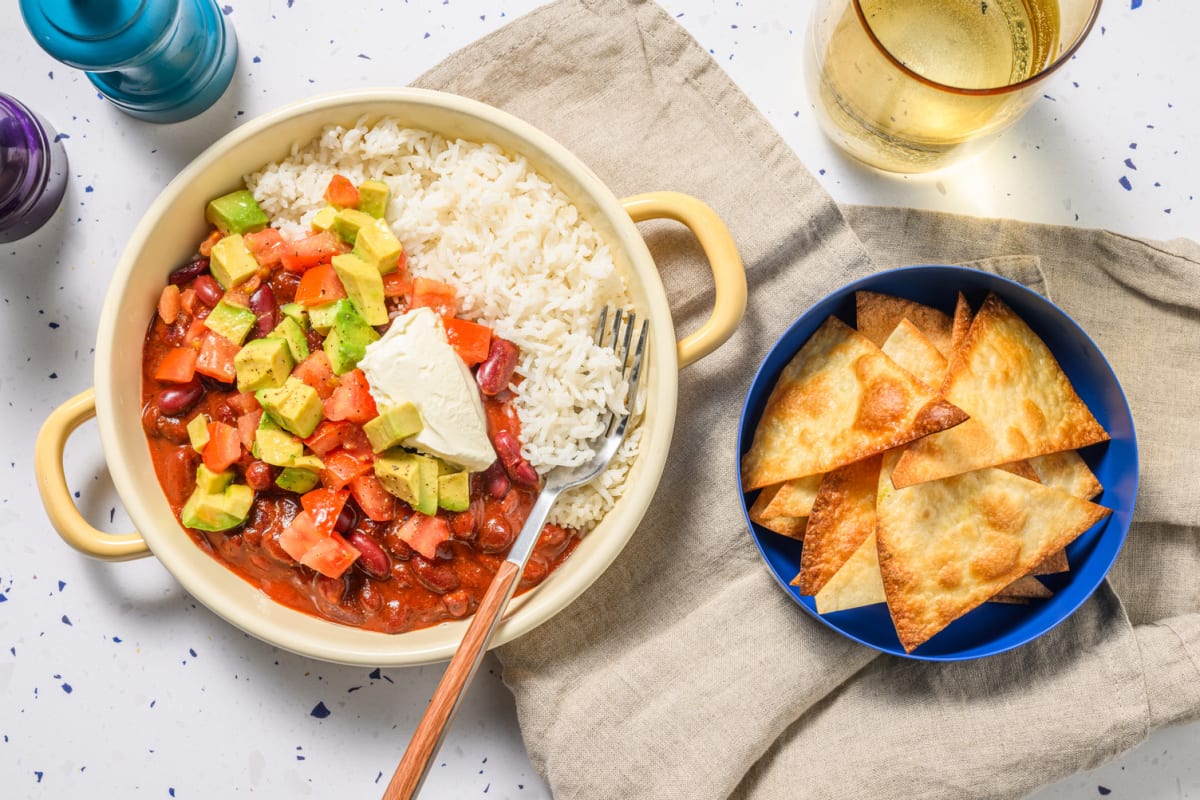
(1020, 402)
(857, 583)
(795, 498)
(839, 400)
(960, 325)
(1053, 564)
(784, 525)
(1067, 471)
(910, 348)
(879, 314)
(947, 546)
(1027, 587)
(843, 516)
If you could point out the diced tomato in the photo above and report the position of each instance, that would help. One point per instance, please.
(317, 373)
(320, 285)
(247, 426)
(300, 536)
(216, 357)
(244, 402)
(196, 329)
(375, 501)
(424, 533)
(314, 249)
(223, 448)
(331, 556)
(168, 303)
(352, 400)
(341, 192)
(187, 300)
(324, 506)
(331, 435)
(177, 366)
(341, 468)
(207, 245)
(441, 297)
(398, 283)
(268, 246)
(469, 339)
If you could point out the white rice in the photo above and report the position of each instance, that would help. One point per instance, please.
(522, 259)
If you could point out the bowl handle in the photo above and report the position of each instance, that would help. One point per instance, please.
(729, 275)
(56, 497)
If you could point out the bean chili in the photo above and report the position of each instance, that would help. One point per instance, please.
(390, 588)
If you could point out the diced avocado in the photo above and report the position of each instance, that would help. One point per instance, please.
(297, 479)
(321, 317)
(427, 475)
(236, 212)
(295, 406)
(393, 426)
(309, 462)
(347, 341)
(230, 261)
(400, 473)
(373, 197)
(323, 221)
(231, 321)
(197, 430)
(379, 247)
(293, 334)
(264, 363)
(217, 511)
(454, 491)
(364, 287)
(347, 222)
(277, 447)
(210, 482)
(295, 312)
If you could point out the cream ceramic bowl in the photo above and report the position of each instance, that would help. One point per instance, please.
(166, 237)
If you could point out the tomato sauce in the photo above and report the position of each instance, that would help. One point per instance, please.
(397, 592)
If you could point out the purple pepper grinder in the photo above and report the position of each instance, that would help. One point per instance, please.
(33, 170)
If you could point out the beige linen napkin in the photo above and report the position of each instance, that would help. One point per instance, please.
(685, 671)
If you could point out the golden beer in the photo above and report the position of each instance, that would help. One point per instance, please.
(904, 85)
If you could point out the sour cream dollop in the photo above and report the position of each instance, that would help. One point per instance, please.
(414, 363)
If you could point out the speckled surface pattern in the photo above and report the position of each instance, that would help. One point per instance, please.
(114, 683)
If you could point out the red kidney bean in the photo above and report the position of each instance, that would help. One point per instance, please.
(193, 269)
(437, 578)
(496, 480)
(371, 558)
(535, 572)
(262, 303)
(260, 476)
(179, 473)
(331, 589)
(346, 519)
(457, 603)
(175, 400)
(509, 450)
(495, 535)
(495, 372)
(370, 599)
(207, 290)
(462, 523)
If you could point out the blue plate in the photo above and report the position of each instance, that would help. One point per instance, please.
(993, 627)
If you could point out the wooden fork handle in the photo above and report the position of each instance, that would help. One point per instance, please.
(427, 738)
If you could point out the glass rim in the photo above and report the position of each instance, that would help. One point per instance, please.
(993, 90)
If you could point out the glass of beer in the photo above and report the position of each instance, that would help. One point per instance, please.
(914, 85)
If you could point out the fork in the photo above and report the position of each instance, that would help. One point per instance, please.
(432, 728)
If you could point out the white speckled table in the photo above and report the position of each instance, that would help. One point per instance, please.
(114, 683)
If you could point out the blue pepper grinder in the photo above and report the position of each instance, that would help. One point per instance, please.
(157, 60)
